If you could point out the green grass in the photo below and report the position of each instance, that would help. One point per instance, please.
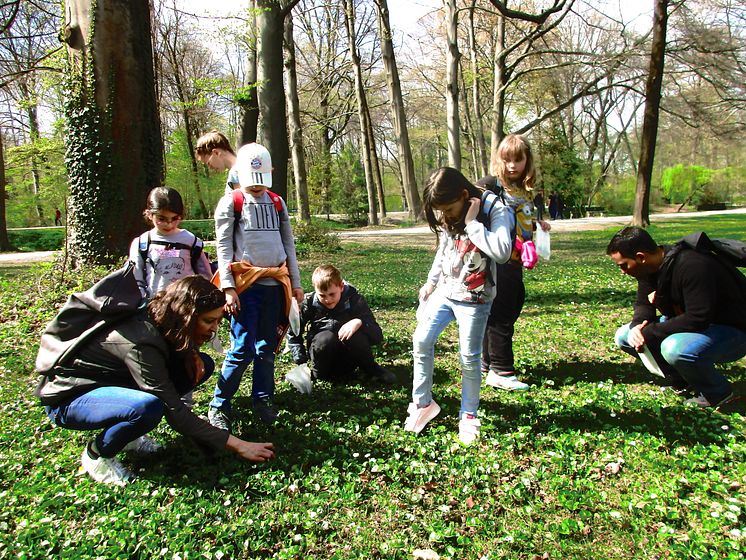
(595, 461)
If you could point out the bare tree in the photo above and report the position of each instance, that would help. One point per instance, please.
(114, 143)
(401, 132)
(4, 241)
(453, 57)
(294, 124)
(27, 41)
(185, 63)
(477, 128)
(641, 211)
(362, 111)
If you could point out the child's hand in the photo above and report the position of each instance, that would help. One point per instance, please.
(425, 291)
(473, 211)
(349, 328)
(232, 303)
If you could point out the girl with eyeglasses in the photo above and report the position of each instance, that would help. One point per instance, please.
(166, 252)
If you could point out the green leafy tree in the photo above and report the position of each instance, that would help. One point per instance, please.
(350, 194)
(561, 168)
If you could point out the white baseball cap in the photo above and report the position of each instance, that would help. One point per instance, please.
(254, 166)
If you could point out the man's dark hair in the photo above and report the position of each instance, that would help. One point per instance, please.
(630, 241)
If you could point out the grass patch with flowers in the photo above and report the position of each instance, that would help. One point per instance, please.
(597, 460)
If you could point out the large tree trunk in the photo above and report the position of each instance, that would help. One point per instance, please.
(362, 111)
(294, 124)
(453, 122)
(114, 147)
(249, 103)
(497, 125)
(271, 92)
(406, 163)
(4, 241)
(641, 211)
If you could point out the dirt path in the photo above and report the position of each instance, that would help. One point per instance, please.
(422, 234)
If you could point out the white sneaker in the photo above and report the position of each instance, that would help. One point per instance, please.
(106, 471)
(144, 445)
(417, 418)
(506, 382)
(468, 430)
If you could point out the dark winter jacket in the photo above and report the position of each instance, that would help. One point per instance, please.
(693, 290)
(315, 318)
(132, 354)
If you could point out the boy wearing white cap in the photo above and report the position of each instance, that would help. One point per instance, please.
(258, 271)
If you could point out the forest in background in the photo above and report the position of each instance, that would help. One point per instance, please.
(573, 82)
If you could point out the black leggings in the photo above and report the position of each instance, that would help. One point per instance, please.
(497, 353)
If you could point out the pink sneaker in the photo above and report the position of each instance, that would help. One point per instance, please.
(417, 418)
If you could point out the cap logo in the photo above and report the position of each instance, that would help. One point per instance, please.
(256, 163)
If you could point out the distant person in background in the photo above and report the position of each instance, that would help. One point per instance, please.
(215, 151)
(560, 207)
(553, 205)
(539, 205)
(57, 217)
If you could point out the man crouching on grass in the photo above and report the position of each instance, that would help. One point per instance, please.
(702, 304)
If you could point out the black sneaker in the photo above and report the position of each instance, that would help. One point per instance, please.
(266, 411)
(382, 375)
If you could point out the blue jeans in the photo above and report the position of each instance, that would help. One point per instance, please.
(472, 320)
(693, 355)
(122, 414)
(253, 340)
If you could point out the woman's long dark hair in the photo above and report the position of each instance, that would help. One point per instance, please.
(444, 186)
(175, 309)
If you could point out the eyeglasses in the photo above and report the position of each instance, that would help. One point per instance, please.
(164, 220)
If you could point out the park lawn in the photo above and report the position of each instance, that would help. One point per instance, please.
(595, 461)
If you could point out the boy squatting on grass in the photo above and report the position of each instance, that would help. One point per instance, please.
(703, 313)
(341, 330)
(257, 257)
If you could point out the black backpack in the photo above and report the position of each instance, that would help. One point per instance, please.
(110, 300)
(730, 253)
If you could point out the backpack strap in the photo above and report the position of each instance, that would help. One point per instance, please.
(196, 251)
(489, 199)
(143, 248)
(277, 201)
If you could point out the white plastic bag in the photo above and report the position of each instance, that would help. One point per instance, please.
(300, 378)
(294, 317)
(541, 241)
(421, 313)
(647, 359)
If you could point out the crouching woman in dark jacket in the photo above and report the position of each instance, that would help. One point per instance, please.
(130, 375)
